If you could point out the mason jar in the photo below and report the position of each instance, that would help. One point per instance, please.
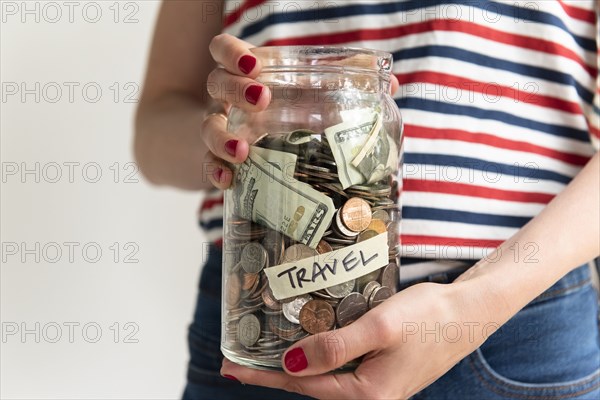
(312, 217)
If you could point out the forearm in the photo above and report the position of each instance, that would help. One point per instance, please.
(168, 145)
(563, 236)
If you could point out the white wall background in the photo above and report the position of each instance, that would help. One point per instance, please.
(47, 50)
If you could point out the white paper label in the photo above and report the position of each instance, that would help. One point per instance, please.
(328, 269)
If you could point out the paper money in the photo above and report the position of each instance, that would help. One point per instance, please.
(372, 140)
(280, 160)
(268, 196)
(346, 140)
(380, 160)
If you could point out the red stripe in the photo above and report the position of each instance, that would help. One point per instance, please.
(415, 131)
(490, 89)
(485, 32)
(218, 242)
(464, 189)
(210, 203)
(578, 13)
(595, 131)
(236, 15)
(443, 241)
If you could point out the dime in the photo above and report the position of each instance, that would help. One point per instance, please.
(298, 252)
(232, 293)
(291, 309)
(317, 316)
(379, 295)
(351, 308)
(377, 225)
(248, 330)
(273, 243)
(254, 258)
(323, 247)
(356, 214)
(382, 215)
(365, 235)
(370, 288)
(341, 290)
(390, 276)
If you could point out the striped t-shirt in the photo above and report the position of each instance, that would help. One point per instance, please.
(500, 102)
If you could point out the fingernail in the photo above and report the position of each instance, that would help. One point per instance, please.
(246, 64)
(295, 360)
(233, 378)
(252, 94)
(217, 174)
(231, 147)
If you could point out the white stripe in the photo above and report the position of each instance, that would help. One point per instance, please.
(454, 229)
(445, 252)
(214, 213)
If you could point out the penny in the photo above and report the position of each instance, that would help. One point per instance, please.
(366, 235)
(339, 225)
(254, 258)
(269, 299)
(342, 290)
(351, 308)
(379, 295)
(233, 290)
(382, 215)
(298, 252)
(390, 276)
(317, 316)
(323, 247)
(249, 280)
(370, 288)
(273, 243)
(248, 330)
(356, 214)
(377, 225)
(291, 309)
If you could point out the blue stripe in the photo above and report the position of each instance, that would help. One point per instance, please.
(596, 109)
(212, 224)
(319, 14)
(501, 116)
(496, 63)
(521, 173)
(436, 214)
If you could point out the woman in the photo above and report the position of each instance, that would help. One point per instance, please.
(501, 94)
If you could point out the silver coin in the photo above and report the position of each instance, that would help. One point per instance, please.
(254, 258)
(298, 252)
(382, 215)
(342, 290)
(248, 330)
(379, 295)
(273, 242)
(351, 308)
(291, 309)
(370, 288)
(390, 276)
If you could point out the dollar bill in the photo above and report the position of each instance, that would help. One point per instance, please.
(280, 160)
(378, 158)
(268, 196)
(346, 139)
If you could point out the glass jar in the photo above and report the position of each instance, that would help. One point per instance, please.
(312, 217)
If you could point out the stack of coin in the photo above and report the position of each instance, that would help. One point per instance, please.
(257, 327)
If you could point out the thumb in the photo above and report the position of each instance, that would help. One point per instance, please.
(330, 350)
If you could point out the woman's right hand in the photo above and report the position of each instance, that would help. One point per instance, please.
(230, 84)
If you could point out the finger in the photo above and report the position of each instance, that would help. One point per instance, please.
(238, 91)
(217, 172)
(395, 85)
(234, 55)
(323, 386)
(221, 143)
(327, 351)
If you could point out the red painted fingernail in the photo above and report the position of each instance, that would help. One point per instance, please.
(295, 360)
(252, 94)
(247, 64)
(231, 147)
(233, 378)
(217, 174)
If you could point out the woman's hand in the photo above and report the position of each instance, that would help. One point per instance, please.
(232, 84)
(408, 342)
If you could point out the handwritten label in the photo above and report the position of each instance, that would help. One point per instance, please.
(328, 269)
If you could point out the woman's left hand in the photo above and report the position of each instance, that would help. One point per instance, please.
(408, 342)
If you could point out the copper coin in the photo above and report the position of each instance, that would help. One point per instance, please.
(341, 228)
(390, 276)
(291, 309)
(323, 247)
(366, 235)
(269, 299)
(317, 316)
(249, 280)
(379, 295)
(351, 308)
(377, 225)
(234, 286)
(356, 214)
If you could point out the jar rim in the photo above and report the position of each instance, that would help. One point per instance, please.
(331, 56)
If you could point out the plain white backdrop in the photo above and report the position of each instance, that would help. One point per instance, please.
(99, 269)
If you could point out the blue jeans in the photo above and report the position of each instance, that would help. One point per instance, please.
(549, 350)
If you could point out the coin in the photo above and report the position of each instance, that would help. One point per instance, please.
(351, 308)
(269, 299)
(356, 214)
(382, 215)
(390, 276)
(370, 288)
(254, 258)
(274, 245)
(291, 309)
(341, 228)
(298, 252)
(366, 234)
(341, 290)
(377, 225)
(379, 295)
(248, 330)
(323, 247)
(393, 230)
(233, 291)
(317, 316)
(249, 280)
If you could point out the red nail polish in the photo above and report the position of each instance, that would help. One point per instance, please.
(295, 360)
(233, 378)
(231, 147)
(217, 174)
(247, 64)
(252, 94)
